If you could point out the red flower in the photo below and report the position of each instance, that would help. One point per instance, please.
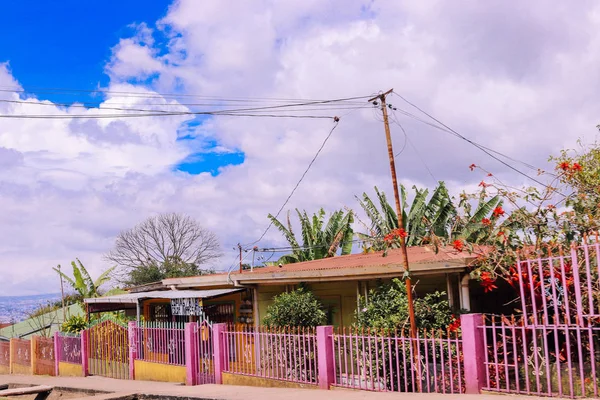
(396, 233)
(500, 233)
(486, 221)
(498, 212)
(472, 167)
(550, 206)
(490, 174)
(454, 325)
(487, 282)
(576, 167)
(483, 184)
(458, 245)
(564, 165)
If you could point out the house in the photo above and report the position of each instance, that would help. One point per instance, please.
(41, 325)
(243, 297)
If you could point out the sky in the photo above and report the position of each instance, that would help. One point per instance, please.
(518, 77)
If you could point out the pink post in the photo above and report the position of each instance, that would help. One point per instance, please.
(325, 356)
(84, 352)
(220, 352)
(473, 351)
(191, 353)
(56, 353)
(131, 330)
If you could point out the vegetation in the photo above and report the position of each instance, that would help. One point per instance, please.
(74, 324)
(82, 282)
(319, 239)
(387, 308)
(163, 246)
(298, 308)
(436, 221)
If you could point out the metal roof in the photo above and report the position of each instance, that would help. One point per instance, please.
(133, 298)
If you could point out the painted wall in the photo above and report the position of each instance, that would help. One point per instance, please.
(246, 380)
(149, 371)
(340, 298)
(68, 369)
(4, 369)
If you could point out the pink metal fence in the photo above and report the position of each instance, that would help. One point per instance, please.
(160, 342)
(205, 354)
(69, 348)
(391, 361)
(288, 354)
(552, 348)
(5, 354)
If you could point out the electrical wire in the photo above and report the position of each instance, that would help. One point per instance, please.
(336, 121)
(315, 246)
(478, 146)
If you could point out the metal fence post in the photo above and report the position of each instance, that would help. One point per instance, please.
(191, 353)
(132, 339)
(84, 352)
(325, 356)
(56, 353)
(220, 352)
(473, 351)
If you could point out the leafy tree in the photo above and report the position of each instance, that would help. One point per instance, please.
(82, 282)
(163, 246)
(319, 239)
(387, 308)
(298, 308)
(169, 269)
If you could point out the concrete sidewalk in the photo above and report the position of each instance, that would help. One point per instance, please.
(224, 392)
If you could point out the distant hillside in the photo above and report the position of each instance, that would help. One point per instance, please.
(16, 308)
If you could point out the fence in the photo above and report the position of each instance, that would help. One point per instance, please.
(392, 361)
(288, 354)
(160, 343)
(68, 348)
(552, 348)
(43, 357)
(4, 356)
(21, 350)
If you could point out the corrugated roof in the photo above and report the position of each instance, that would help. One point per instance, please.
(49, 323)
(133, 298)
(416, 256)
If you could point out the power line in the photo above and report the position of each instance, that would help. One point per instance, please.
(408, 114)
(229, 112)
(67, 91)
(477, 145)
(315, 246)
(336, 120)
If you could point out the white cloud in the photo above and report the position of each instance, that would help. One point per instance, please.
(522, 80)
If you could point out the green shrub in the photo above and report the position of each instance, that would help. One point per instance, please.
(298, 308)
(74, 324)
(387, 308)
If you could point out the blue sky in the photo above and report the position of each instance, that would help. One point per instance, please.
(66, 45)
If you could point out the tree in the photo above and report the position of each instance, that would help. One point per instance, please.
(319, 240)
(298, 308)
(82, 282)
(163, 246)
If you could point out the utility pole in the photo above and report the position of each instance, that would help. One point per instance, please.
(62, 294)
(240, 248)
(388, 137)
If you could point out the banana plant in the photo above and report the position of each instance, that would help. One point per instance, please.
(82, 282)
(319, 239)
(434, 219)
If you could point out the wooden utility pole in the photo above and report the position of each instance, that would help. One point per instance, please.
(241, 265)
(388, 137)
(62, 294)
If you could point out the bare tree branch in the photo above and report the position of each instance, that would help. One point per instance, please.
(163, 239)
